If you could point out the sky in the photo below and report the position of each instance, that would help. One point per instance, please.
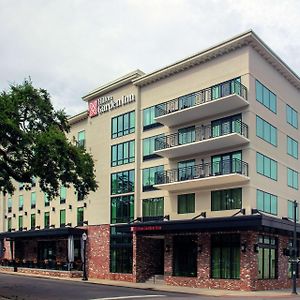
(71, 47)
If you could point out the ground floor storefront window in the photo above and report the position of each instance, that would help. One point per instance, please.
(267, 257)
(120, 251)
(185, 256)
(225, 256)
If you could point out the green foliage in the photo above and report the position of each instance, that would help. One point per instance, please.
(33, 143)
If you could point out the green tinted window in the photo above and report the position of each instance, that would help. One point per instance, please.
(122, 182)
(266, 97)
(291, 210)
(46, 219)
(153, 207)
(149, 146)
(150, 175)
(266, 202)
(122, 209)
(266, 131)
(292, 147)
(226, 199)
(186, 203)
(123, 125)
(292, 178)
(32, 221)
(80, 216)
(266, 166)
(291, 116)
(62, 217)
(122, 153)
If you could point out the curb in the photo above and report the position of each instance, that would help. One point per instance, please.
(166, 288)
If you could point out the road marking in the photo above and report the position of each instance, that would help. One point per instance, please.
(130, 297)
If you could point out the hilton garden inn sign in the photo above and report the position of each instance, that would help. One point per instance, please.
(108, 103)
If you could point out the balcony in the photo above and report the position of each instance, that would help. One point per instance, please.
(208, 175)
(202, 139)
(218, 99)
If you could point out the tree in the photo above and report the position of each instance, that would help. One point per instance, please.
(33, 143)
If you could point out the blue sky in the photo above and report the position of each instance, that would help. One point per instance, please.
(70, 47)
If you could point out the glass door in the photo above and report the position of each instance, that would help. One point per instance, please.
(186, 170)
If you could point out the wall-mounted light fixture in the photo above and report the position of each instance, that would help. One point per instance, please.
(243, 247)
(70, 206)
(85, 222)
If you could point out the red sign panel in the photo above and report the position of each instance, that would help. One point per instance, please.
(93, 108)
(145, 228)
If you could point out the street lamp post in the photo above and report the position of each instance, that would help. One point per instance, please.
(84, 238)
(294, 252)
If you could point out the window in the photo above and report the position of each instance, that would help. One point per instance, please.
(266, 131)
(292, 147)
(63, 194)
(148, 118)
(266, 202)
(21, 202)
(227, 163)
(225, 256)
(46, 220)
(267, 257)
(79, 196)
(291, 210)
(32, 221)
(292, 178)
(62, 217)
(33, 181)
(226, 125)
(153, 207)
(9, 205)
(226, 199)
(291, 116)
(266, 97)
(123, 125)
(120, 251)
(46, 199)
(122, 153)
(122, 209)
(186, 135)
(185, 256)
(150, 177)
(266, 166)
(80, 216)
(186, 169)
(149, 147)
(122, 182)
(81, 139)
(186, 203)
(20, 222)
(33, 200)
(9, 224)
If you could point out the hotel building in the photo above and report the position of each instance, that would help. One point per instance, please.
(197, 165)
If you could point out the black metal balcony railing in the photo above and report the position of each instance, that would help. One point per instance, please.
(206, 95)
(152, 218)
(230, 166)
(200, 134)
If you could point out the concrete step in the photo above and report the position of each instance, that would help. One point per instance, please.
(156, 279)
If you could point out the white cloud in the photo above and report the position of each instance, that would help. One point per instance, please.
(70, 47)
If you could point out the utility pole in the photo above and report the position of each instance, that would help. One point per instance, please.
(294, 252)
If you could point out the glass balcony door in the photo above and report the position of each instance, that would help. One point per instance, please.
(186, 170)
(186, 135)
(227, 163)
(226, 125)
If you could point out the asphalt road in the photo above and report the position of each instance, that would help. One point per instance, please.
(24, 287)
(31, 288)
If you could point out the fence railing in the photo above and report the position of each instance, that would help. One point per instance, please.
(200, 133)
(228, 166)
(209, 94)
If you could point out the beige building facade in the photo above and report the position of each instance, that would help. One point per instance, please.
(197, 165)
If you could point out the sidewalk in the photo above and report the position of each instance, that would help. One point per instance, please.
(175, 289)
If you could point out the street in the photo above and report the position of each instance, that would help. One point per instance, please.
(31, 288)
